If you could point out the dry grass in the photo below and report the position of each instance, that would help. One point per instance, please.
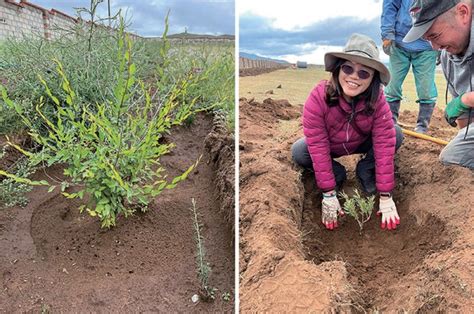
(297, 83)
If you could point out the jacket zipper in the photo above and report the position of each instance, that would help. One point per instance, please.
(348, 125)
(347, 139)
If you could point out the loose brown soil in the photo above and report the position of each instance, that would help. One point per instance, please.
(54, 259)
(291, 263)
(221, 147)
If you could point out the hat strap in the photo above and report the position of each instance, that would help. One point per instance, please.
(355, 50)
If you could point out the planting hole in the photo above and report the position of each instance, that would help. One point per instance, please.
(378, 258)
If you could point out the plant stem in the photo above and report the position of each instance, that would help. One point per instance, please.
(197, 229)
(122, 101)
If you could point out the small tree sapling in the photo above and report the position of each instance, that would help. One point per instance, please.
(358, 207)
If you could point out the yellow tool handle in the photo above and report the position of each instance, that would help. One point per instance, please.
(425, 137)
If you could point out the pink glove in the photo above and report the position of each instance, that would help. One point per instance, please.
(330, 210)
(388, 210)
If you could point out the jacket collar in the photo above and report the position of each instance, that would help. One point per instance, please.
(347, 107)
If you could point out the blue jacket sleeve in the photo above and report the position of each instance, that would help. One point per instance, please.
(389, 18)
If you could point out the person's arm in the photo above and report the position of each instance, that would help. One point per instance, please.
(384, 141)
(317, 138)
(388, 19)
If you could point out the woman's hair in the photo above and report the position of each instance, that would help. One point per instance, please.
(334, 90)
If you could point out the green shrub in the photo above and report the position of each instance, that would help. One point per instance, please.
(212, 66)
(102, 106)
(89, 58)
(112, 149)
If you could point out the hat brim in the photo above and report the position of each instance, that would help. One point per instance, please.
(417, 31)
(331, 58)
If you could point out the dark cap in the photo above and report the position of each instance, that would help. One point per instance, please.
(424, 13)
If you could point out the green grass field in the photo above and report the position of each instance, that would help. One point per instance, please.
(297, 83)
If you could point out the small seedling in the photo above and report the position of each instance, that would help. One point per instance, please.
(45, 309)
(206, 292)
(226, 296)
(358, 207)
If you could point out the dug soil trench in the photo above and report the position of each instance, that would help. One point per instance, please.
(54, 259)
(290, 262)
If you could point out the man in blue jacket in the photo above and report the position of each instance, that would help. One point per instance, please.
(395, 24)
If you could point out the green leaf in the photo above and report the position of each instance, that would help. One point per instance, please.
(92, 213)
(69, 195)
(23, 180)
(64, 185)
(97, 194)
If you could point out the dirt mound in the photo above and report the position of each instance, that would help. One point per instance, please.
(54, 259)
(221, 146)
(289, 262)
(274, 110)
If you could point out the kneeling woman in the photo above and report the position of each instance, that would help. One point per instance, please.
(349, 115)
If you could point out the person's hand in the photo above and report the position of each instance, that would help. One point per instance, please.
(456, 108)
(388, 210)
(386, 46)
(330, 210)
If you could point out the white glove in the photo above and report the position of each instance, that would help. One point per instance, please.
(330, 210)
(388, 210)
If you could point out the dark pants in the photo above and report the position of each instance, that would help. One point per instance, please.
(365, 170)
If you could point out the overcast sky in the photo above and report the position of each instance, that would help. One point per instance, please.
(305, 30)
(214, 17)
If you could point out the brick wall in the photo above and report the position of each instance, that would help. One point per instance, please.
(23, 18)
(59, 23)
(18, 19)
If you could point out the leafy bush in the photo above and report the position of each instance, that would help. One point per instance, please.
(213, 70)
(358, 207)
(87, 53)
(112, 149)
(90, 66)
(86, 104)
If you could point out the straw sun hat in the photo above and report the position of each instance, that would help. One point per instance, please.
(359, 49)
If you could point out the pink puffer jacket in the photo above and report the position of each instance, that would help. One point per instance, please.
(329, 134)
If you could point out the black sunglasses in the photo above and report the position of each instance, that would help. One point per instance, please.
(362, 74)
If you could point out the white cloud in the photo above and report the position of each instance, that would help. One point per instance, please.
(317, 56)
(289, 15)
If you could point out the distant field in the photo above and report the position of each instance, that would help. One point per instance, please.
(297, 83)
